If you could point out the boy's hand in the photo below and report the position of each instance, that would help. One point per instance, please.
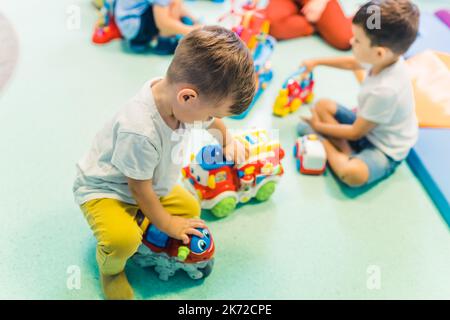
(309, 65)
(237, 152)
(180, 228)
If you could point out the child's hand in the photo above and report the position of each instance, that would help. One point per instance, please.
(313, 10)
(235, 151)
(309, 65)
(180, 228)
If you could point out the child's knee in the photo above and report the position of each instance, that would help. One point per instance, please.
(122, 244)
(354, 174)
(193, 207)
(325, 106)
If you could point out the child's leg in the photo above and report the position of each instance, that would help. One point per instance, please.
(352, 171)
(118, 235)
(326, 110)
(286, 22)
(178, 202)
(181, 202)
(147, 30)
(334, 27)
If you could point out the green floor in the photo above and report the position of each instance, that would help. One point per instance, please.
(313, 239)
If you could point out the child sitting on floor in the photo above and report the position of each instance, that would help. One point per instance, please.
(131, 164)
(298, 18)
(141, 21)
(368, 145)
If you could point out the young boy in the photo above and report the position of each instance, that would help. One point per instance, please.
(140, 21)
(368, 145)
(130, 166)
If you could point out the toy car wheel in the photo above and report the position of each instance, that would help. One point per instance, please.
(208, 269)
(224, 207)
(265, 191)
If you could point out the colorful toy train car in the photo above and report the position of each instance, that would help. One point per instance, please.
(296, 90)
(220, 185)
(167, 255)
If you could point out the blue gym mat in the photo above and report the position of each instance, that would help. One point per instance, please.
(433, 34)
(430, 161)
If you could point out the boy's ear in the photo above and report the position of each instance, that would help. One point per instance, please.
(186, 96)
(382, 52)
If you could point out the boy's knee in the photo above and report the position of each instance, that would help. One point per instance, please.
(121, 244)
(325, 106)
(193, 207)
(354, 175)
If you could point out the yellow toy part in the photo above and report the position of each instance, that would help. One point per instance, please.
(252, 42)
(295, 104)
(98, 3)
(265, 27)
(249, 171)
(280, 103)
(212, 181)
(309, 98)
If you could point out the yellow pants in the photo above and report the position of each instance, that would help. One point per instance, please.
(117, 231)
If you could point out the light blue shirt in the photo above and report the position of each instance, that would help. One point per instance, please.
(128, 14)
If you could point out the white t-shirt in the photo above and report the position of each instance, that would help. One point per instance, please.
(387, 99)
(137, 143)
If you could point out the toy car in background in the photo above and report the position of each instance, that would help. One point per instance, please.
(106, 28)
(220, 185)
(296, 90)
(310, 155)
(167, 255)
(252, 26)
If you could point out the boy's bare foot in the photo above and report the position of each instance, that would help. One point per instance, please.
(117, 287)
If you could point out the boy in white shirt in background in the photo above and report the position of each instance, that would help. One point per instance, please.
(367, 145)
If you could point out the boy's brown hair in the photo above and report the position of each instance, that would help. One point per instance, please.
(218, 64)
(399, 23)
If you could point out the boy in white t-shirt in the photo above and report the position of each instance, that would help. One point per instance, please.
(367, 145)
(133, 164)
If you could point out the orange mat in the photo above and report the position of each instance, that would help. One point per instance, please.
(430, 72)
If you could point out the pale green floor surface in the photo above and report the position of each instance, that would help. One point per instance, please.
(312, 239)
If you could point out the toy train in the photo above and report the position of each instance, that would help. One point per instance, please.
(310, 155)
(296, 90)
(167, 255)
(220, 185)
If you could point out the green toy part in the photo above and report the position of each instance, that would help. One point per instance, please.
(183, 253)
(265, 191)
(224, 207)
